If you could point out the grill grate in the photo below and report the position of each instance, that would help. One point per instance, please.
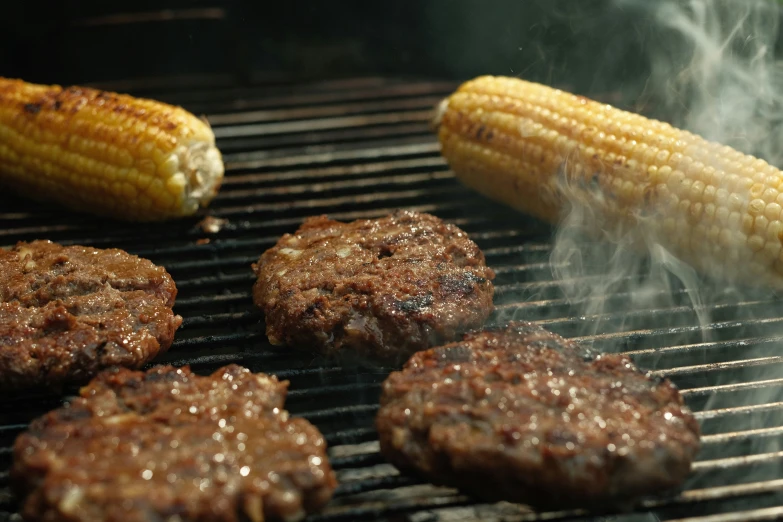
(360, 148)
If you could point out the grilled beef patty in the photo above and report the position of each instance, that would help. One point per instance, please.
(68, 312)
(523, 415)
(383, 288)
(170, 445)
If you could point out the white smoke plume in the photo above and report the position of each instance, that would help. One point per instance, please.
(713, 72)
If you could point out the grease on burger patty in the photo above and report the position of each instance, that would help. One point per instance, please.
(383, 288)
(67, 312)
(524, 415)
(171, 445)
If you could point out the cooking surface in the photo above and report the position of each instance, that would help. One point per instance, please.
(361, 148)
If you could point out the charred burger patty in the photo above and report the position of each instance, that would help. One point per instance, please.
(171, 445)
(66, 312)
(523, 415)
(384, 287)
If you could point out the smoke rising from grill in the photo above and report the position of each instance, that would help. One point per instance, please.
(713, 72)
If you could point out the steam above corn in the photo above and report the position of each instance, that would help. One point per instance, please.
(106, 153)
(539, 150)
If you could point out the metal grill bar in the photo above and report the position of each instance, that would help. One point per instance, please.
(322, 111)
(322, 124)
(260, 160)
(361, 148)
(745, 516)
(224, 100)
(303, 176)
(709, 390)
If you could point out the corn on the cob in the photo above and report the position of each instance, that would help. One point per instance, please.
(105, 153)
(537, 149)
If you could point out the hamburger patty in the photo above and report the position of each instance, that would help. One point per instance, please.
(68, 312)
(171, 445)
(523, 415)
(384, 287)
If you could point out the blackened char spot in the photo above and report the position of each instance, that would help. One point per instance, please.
(413, 304)
(385, 251)
(480, 132)
(100, 349)
(32, 108)
(310, 311)
(476, 279)
(463, 283)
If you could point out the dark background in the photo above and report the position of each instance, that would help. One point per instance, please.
(584, 44)
(591, 47)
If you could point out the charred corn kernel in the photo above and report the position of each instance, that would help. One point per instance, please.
(540, 149)
(106, 153)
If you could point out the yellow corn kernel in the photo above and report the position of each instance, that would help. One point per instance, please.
(535, 148)
(101, 152)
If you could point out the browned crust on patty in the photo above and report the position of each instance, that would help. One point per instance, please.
(383, 288)
(523, 415)
(67, 312)
(139, 446)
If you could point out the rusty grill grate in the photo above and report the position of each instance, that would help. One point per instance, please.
(360, 148)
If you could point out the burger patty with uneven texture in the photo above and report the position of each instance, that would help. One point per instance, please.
(523, 415)
(67, 312)
(171, 445)
(382, 288)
